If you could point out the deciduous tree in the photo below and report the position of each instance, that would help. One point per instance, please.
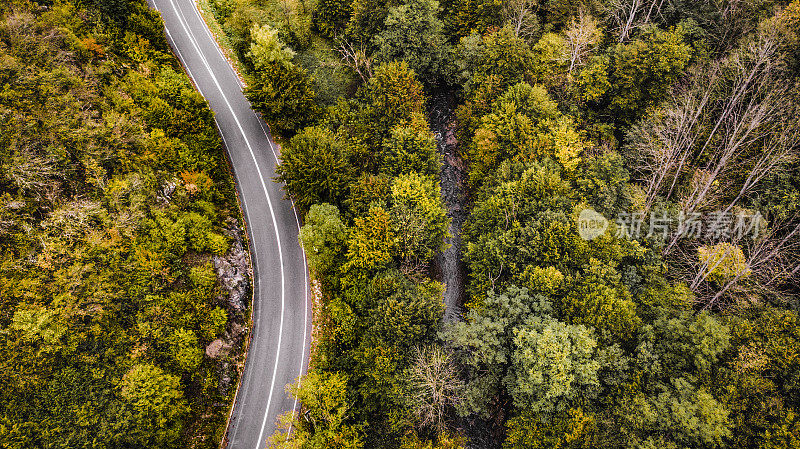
(314, 167)
(413, 33)
(372, 243)
(280, 90)
(152, 408)
(323, 236)
(419, 219)
(552, 365)
(323, 419)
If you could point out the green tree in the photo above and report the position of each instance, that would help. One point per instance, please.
(395, 96)
(505, 132)
(484, 344)
(552, 364)
(499, 54)
(566, 145)
(284, 96)
(546, 239)
(723, 262)
(366, 191)
(185, 349)
(413, 33)
(117, 10)
(407, 317)
(592, 82)
(153, 408)
(324, 419)
(371, 244)
(674, 346)
(418, 217)
(41, 325)
(314, 168)
(598, 299)
(323, 236)
(465, 17)
(331, 16)
(604, 182)
(280, 90)
(681, 414)
(551, 61)
(409, 150)
(266, 49)
(642, 70)
(572, 429)
(760, 383)
(516, 127)
(368, 18)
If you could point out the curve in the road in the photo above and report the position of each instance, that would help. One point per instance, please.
(280, 321)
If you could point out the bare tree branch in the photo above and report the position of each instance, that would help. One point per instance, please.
(435, 386)
(627, 15)
(355, 57)
(725, 134)
(521, 15)
(582, 37)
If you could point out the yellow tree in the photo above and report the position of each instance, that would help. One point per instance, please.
(372, 242)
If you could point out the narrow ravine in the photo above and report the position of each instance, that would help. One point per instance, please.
(452, 179)
(448, 265)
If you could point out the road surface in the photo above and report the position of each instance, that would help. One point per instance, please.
(281, 312)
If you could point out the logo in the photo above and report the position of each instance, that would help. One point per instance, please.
(591, 224)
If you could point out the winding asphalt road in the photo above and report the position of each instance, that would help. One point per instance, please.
(280, 335)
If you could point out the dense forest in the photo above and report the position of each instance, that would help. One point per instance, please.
(631, 245)
(630, 249)
(117, 211)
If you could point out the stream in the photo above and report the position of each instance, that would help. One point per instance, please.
(448, 266)
(452, 179)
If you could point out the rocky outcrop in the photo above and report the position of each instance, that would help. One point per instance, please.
(233, 274)
(233, 270)
(218, 348)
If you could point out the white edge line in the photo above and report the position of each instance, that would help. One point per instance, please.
(305, 278)
(191, 37)
(216, 44)
(255, 289)
(244, 204)
(305, 320)
(294, 209)
(244, 207)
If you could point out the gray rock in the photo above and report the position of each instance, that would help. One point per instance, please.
(218, 348)
(233, 269)
(165, 195)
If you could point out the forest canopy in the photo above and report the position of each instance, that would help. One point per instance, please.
(610, 187)
(619, 179)
(115, 203)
